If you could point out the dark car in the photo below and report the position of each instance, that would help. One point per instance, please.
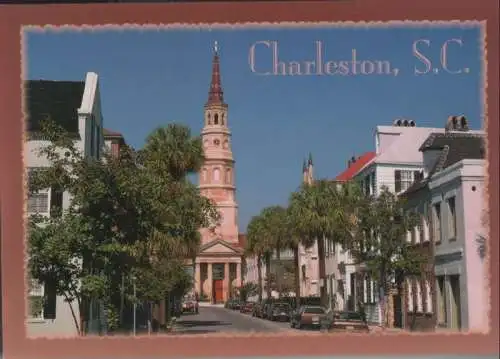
(265, 309)
(349, 322)
(247, 307)
(279, 311)
(257, 310)
(309, 316)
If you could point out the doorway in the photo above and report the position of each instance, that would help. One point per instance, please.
(218, 287)
(456, 317)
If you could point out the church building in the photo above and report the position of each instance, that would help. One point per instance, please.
(218, 267)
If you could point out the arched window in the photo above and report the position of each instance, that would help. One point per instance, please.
(209, 119)
(228, 176)
(216, 119)
(216, 174)
(222, 120)
(204, 175)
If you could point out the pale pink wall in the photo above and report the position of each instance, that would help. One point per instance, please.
(476, 270)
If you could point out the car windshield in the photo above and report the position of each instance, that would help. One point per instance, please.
(349, 316)
(314, 310)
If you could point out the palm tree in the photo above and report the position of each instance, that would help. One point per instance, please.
(322, 211)
(174, 151)
(170, 155)
(255, 246)
(277, 234)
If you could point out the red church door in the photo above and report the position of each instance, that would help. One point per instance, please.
(218, 290)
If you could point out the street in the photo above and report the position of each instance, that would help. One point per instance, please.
(217, 319)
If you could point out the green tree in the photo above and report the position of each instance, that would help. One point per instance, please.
(276, 236)
(319, 214)
(380, 242)
(258, 246)
(137, 213)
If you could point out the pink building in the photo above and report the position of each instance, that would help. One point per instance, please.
(450, 197)
(218, 265)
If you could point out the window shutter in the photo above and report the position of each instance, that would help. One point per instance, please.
(56, 202)
(397, 181)
(49, 305)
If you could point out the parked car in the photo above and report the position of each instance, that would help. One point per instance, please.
(190, 305)
(350, 322)
(265, 309)
(309, 316)
(247, 307)
(257, 310)
(279, 311)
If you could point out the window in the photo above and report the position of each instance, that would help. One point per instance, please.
(216, 142)
(436, 222)
(452, 218)
(441, 299)
(428, 296)
(38, 202)
(216, 119)
(418, 176)
(410, 294)
(402, 180)
(56, 201)
(216, 174)
(228, 176)
(373, 184)
(367, 185)
(425, 229)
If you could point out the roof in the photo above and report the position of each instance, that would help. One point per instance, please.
(405, 148)
(58, 100)
(454, 147)
(356, 167)
(108, 133)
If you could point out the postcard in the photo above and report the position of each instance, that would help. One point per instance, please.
(271, 187)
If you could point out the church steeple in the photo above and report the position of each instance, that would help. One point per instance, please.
(215, 93)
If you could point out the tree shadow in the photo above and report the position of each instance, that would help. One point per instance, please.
(201, 323)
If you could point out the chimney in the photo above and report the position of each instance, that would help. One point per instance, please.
(457, 123)
(403, 123)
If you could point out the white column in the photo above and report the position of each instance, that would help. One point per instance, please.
(226, 294)
(210, 282)
(197, 275)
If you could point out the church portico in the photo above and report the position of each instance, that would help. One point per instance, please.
(218, 271)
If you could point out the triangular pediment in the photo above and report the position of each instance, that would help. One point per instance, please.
(219, 247)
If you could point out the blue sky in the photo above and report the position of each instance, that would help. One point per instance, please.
(150, 78)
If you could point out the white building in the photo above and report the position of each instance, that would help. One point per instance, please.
(76, 106)
(397, 164)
